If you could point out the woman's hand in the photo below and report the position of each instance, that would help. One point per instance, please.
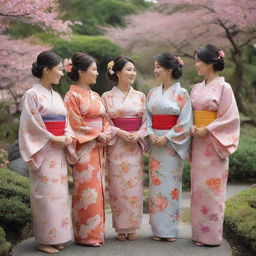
(103, 138)
(199, 132)
(126, 136)
(134, 138)
(62, 141)
(153, 138)
(161, 141)
(193, 130)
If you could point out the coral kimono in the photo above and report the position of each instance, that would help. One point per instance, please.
(87, 117)
(166, 162)
(209, 167)
(125, 160)
(47, 166)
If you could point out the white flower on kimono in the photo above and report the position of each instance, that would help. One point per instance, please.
(81, 177)
(89, 196)
(91, 224)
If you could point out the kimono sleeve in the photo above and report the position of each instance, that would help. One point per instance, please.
(224, 131)
(79, 126)
(148, 116)
(33, 135)
(111, 128)
(179, 136)
(143, 128)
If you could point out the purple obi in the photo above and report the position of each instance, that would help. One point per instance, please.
(128, 124)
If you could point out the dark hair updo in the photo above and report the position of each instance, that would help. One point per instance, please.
(170, 61)
(211, 55)
(80, 61)
(117, 65)
(47, 59)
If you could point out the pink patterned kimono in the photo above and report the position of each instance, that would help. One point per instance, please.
(209, 167)
(88, 119)
(125, 161)
(47, 166)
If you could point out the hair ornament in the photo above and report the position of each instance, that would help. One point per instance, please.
(221, 54)
(67, 64)
(179, 60)
(110, 67)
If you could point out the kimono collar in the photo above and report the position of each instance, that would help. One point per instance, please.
(171, 88)
(116, 89)
(41, 87)
(220, 80)
(78, 88)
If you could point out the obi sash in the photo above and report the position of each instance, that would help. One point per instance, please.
(94, 123)
(164, 122)
(128, 124)
(55, 124)
(203, 118)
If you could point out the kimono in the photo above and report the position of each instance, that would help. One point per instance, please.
(209, 166)
(47, 166)
(125, 160)
(87, 117)
(166, 162)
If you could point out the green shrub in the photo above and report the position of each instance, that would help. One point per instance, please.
(15, 211)
(99, 47)
(5, 246)
(242, 165)
(240, 218)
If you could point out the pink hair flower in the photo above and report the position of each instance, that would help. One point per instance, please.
(67, 64)
(221, 54)
(180, 61)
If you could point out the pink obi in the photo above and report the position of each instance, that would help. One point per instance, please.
(128, 124)
(94, 123)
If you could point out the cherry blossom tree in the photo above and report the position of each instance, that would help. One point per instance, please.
(17, 56)
(185, 25)
(43, 13)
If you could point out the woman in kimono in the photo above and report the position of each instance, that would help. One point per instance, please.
(215, 137)
(126, 108)
(87, 117)
(169, 119)
(43, 136)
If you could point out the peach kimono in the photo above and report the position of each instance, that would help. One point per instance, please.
(87, 117)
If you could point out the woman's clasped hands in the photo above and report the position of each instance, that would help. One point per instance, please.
(158, 140)
(199, 131)
(128, 137)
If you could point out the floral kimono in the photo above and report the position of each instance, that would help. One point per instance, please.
(166, 162)
(47, 165)
(125, 160)
(209, 167)
(87, 117)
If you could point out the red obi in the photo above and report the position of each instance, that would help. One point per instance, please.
(128, 124)
(163, 122)
(55, 124)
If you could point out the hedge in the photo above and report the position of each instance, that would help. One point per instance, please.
(15, 211)
(240, 218)
(99, 47)
(5, 246)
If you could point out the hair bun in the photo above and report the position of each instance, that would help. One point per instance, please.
(37, 70)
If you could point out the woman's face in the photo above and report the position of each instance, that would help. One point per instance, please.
(203, 69)
(90, 75)
(128, 74)
(162, 74)
(54, 74)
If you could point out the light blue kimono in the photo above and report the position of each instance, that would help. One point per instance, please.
(166, 162)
